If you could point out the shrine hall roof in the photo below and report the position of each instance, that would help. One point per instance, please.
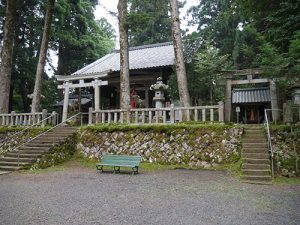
(251, 95)
(140, 57)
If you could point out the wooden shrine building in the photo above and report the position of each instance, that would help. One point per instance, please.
(146, 64)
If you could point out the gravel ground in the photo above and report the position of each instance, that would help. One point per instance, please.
(80, 196)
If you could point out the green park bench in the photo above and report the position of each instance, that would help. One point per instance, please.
(118, 161)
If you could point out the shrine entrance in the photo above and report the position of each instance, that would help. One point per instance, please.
(249, 104)
(246, 105)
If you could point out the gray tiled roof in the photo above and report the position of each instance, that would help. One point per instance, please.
(251, 95)
(141, 57)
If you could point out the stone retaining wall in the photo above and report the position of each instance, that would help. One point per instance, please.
(203, 146)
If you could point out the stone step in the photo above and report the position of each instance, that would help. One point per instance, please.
(64, 129)
(2, 172)
(255, 145)
(33, 152)
(256, 161)
(255, 140)
(30, 152)
(22, 155)
(257, 182)
(41, 144)
(15, 163)
(16, 159)
(60, 135)
(24, 148)
(254, 131)
(48, 140)
(254, 136)
(255, 155)
(256, 166)
(56, 135)
(257, 178)
(10, 168)
(255, 150)
(256, 172)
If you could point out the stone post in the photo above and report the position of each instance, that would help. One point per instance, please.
(44, 116)
(13, 114)
(274, 103)
(172, 114)
(287, 112)
(66, 102)
(221, 111)
(90, 115)
(54, 118)
(228, 101)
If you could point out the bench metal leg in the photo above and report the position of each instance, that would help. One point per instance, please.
(117, 170)
(135, 170)
(99, 168)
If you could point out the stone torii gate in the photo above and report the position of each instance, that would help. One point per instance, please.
(96, 83)
(249, 73)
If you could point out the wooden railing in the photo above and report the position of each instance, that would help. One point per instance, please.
(26, 119)
(162, 115)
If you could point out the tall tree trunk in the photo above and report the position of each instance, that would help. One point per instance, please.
(179, 59)
(6, 57)
(36, 100)
(124, 56)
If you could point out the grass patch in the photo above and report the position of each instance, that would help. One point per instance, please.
(55, 168)
(152, 167)
(286, 180)
(155, 127)
(235, 169)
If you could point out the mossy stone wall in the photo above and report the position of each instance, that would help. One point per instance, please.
(286, 146)
(203, 145)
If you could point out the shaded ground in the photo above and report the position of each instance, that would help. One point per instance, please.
(78, 195)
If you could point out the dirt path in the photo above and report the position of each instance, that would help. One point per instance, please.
(78, 195)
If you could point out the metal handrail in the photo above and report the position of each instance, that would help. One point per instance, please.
(29, 127)
(62, 123)
(269, 142)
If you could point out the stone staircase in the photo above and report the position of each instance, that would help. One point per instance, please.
(28, 154)
(255, 155)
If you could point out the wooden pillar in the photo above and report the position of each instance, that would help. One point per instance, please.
(274, 103)
(146, 96)
(66, 101)
(97, 95)
(228, 101)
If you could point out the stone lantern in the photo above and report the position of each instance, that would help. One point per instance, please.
(159, 88)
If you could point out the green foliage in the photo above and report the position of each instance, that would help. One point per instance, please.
(294, 53)
(255, 34)
(149, 22)
(205, 82)
(49, 91)
(276, 20)
(253, 51)
(79, 39)
(75, 35)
